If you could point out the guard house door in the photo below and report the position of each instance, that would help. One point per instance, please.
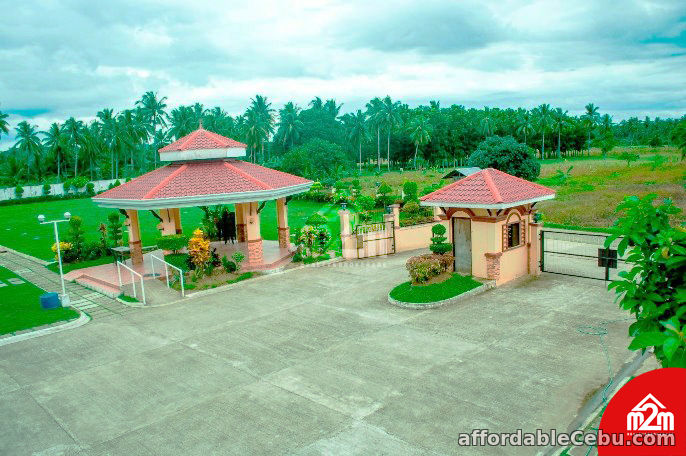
(462, 244)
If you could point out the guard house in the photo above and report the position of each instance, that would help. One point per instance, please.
(203, 170)
(459, 173)
(491, 223)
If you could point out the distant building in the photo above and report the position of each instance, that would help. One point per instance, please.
(459, 173)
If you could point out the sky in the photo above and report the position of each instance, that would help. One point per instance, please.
(74, 58)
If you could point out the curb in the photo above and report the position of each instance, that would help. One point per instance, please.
(432, 305)
(71, 324)
(27, 257)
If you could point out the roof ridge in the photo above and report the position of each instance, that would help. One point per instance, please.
(164, 182)
(248, 176)
(491, 185)
(524, 180)
(451, 185)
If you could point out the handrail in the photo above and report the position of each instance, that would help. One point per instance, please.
(133, 283)
(166, 272)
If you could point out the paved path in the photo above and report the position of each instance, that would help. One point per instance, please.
(94, 304)
(312, 362)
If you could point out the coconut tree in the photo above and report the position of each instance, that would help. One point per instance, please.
(153, 110)
(182, 121)
(4, 125)
(357, 131)
(290, 125)
(55, 141)
(73, 129)
(420, 134)
(525, 124)
(374, 115)
(486, 123)
(254, 131)
(390, 119)
(28, 143)
(265, 118)
(544, 120)
(590, 119)
(560, 122)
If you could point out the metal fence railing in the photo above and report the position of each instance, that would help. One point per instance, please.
(133, 281)
(168, 265)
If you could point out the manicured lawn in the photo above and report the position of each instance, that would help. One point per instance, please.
(20, 306)
(455, 285)
(20, 230)
(66, 267)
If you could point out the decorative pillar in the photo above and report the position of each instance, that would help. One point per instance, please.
(252, 233)
(240, 221)
(135, 247)
(167, 226)
(395, 208)
(176, 215)
(493, 265)
(437, 214)
(282, 218)
(534, 246)
(348, 241)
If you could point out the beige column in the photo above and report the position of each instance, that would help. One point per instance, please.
(437, 213)
(282, 218)
(534, 246)
(252, 233)
(134, 237)
(348, 241)
(167, 226)
(240, 221)
(395, 208)
(176, 214)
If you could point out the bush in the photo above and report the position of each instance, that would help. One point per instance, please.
(238, 257)
(180, 260)
(18, 191)
(438, 244)
(424, 267)
(229, 266)
(46, 189)
(173, 242)
(507, 155)
(75, 235)
(66, 185)
(410, 190)
(93, 250)
(79, 182)
(90, 188)
(199, 249)
(411, 208)
(316, 219)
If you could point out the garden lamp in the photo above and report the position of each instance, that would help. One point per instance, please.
(42, 221)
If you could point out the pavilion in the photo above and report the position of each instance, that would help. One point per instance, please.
(203, 171)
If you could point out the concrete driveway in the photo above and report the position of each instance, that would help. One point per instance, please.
(312, 362)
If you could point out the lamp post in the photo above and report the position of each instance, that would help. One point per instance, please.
(42, 221)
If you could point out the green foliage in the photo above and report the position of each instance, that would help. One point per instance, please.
(438, 238)
(422, 268)
(75, 235)
(316, 219)
(410, 190)
(67, 184)
(228, 265)
(180, 260)
(18, 191)
(383, 198)
(455, 285)
(313, 239)
(46, 189)
(173, 242)
(657, 161)
(317, 159)
(384, 189)
(628, 157)
(238, 257)
(79, 182)
(316, 259)
(411, 208)
(90, 188)
(114, 228)
(507, 155)
(654, 289)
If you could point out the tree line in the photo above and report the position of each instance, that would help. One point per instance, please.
(385, 134)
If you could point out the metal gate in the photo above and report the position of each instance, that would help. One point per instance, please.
(580, 254)
(375, 239)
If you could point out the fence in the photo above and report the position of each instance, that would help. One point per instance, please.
(166, 272)
(55, 189)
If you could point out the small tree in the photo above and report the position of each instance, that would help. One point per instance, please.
(46, 189)
(199, 250)
(654, 289)
(18, 191)
(383, 194)
(628, 157)
(238, 257)
(75, 234)
(410, 190)
(114, 228)
(438, 238)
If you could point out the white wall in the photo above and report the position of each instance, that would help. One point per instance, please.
(7, 193)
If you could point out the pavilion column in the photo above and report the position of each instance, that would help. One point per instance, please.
(168, 224)
(135, 247)
(176, 216)
(240, 221)
(252, 233)
(282, 217)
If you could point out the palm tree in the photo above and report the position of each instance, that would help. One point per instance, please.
(73, 129)
(606, 123)
(420, 134)
(374, 114)
(56, 143)
(544, 118)
(357, 132)
(182, 122)
(4, 125)
(28, 143)
(486, 123)
(290, 125)
(390, 119)
(332, 108)
(153, 109)
(265, 117)
(590, 119)
(560, 121)
(254, 131)
(133, 131)
(316, 104)
(525, 125)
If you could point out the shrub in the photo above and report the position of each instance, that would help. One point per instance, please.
(173, 242)
(410, 190)
(117, 183)
(238, 257)
(79, 182)
(229, 266)
(65, 247)
(180, 260)
(18, 191)
(430, 188)
(75, 235)
(424, 267)
(199, 249)
(313, 239)
(316, 219)
(507, 155)
(92, 251)
(66, 185)
(46, 189)
(411, 208)
(90, 188)
(438, 244)
(114, 228)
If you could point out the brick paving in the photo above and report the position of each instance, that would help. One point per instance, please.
(96, 305)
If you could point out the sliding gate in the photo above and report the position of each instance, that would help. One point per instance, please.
(580, 254)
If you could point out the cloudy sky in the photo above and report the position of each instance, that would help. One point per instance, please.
(70, 57)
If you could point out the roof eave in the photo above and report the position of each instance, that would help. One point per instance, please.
(486, 206)
(203, 200)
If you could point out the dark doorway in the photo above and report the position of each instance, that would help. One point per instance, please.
(462, 245)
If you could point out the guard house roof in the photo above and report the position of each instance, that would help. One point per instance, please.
(488, 189)
(461, 172)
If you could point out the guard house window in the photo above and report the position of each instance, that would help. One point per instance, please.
(512, 236)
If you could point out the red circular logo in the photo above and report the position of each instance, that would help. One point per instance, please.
(647, 416)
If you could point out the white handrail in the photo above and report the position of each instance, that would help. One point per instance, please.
(133, 283)
(166, 272)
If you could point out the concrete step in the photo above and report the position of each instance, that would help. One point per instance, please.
(98, 285)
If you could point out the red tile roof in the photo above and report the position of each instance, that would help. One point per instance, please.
(488, 187)
(202, 139)
(199, 178)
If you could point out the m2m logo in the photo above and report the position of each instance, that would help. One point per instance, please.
(658, 420)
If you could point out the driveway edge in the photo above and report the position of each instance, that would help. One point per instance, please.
(71, 324)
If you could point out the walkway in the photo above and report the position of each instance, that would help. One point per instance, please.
(94, 304)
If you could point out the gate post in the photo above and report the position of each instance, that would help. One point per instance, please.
(536, 249)
(348, 241)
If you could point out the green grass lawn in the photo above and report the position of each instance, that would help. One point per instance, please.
(455, 285)
(20, 306)
(20, 230)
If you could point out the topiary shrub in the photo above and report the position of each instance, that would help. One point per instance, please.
(114, 228)
(18, 191)
(410, 190)
(46, 189)
(173, 242)
(316, 219)
(438, 244)
(90, 188)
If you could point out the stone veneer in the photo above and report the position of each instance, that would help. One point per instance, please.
(284, 237)
(136, 252)
(493, 265)
(255, 251)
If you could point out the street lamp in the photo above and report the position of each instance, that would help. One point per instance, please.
(41, 220)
